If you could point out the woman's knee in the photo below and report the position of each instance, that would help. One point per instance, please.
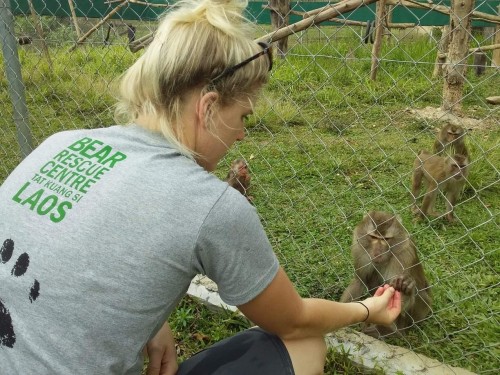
(308, 355)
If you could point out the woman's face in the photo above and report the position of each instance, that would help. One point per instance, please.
(227, 127)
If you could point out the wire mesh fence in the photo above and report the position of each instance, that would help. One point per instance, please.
(329, 141)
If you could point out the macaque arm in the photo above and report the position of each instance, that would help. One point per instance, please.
(354, 291)
(279, 309)
(451, 199)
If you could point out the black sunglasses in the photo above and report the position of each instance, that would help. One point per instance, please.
(266, 49)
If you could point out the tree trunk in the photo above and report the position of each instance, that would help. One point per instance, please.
(456, 60)
(442, 51)
(495, 61)
(379, 33)
(280, 18)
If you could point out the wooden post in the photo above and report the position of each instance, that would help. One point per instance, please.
(39, 31)
(75, 20)
(377, 44)
(280, 17)
(441, 52)
(456, 60)
(388, 24)
(495, 60)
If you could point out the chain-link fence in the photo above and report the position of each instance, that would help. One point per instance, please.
(348, 108)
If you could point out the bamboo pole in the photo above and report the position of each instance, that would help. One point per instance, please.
(75, 20)
(490, 47)
(328, 13)
(379, 33)
(39, 31)
(101, 22)
(444, 9)
(363, 23)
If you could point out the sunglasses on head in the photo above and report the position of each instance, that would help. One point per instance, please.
(266, 50)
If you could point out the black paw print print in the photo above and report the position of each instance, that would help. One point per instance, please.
(7, 335)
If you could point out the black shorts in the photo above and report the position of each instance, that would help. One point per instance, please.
(251, 352)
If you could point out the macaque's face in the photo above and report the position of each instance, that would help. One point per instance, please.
(242, 169)
(378, 237)
(458, 167)
(453, 133)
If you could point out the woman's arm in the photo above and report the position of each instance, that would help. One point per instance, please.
(280, 309)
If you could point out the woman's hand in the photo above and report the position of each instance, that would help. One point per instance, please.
(384, 306)
(161, 352)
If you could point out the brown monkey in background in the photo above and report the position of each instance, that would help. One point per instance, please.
(441, 173)
(239, 177)
(383, 253)
(451, 138)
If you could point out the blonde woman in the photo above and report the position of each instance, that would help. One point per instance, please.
(102, 230)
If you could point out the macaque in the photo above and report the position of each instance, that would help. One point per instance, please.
(239, 177)
(383, 253)
(451, 139)
(441, 173)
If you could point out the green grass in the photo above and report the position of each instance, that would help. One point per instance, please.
(328, 144)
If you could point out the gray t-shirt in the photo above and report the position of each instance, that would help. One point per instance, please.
(101, 233)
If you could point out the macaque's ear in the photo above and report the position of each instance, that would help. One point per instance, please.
(204, 107)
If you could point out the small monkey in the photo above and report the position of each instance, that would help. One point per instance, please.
(383, 253)
(441, 173)
(451, 139)
(239, 177)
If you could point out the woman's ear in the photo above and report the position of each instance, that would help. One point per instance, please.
(204, 107)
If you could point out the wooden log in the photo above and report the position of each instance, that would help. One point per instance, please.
(379, 33)
(101, 22)
(141, 42)
(456, 63)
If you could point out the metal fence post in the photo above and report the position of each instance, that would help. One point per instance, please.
(14, 78)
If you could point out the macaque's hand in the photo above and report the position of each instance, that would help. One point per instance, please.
(161, 352)
(404, 284)
(384, 306)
